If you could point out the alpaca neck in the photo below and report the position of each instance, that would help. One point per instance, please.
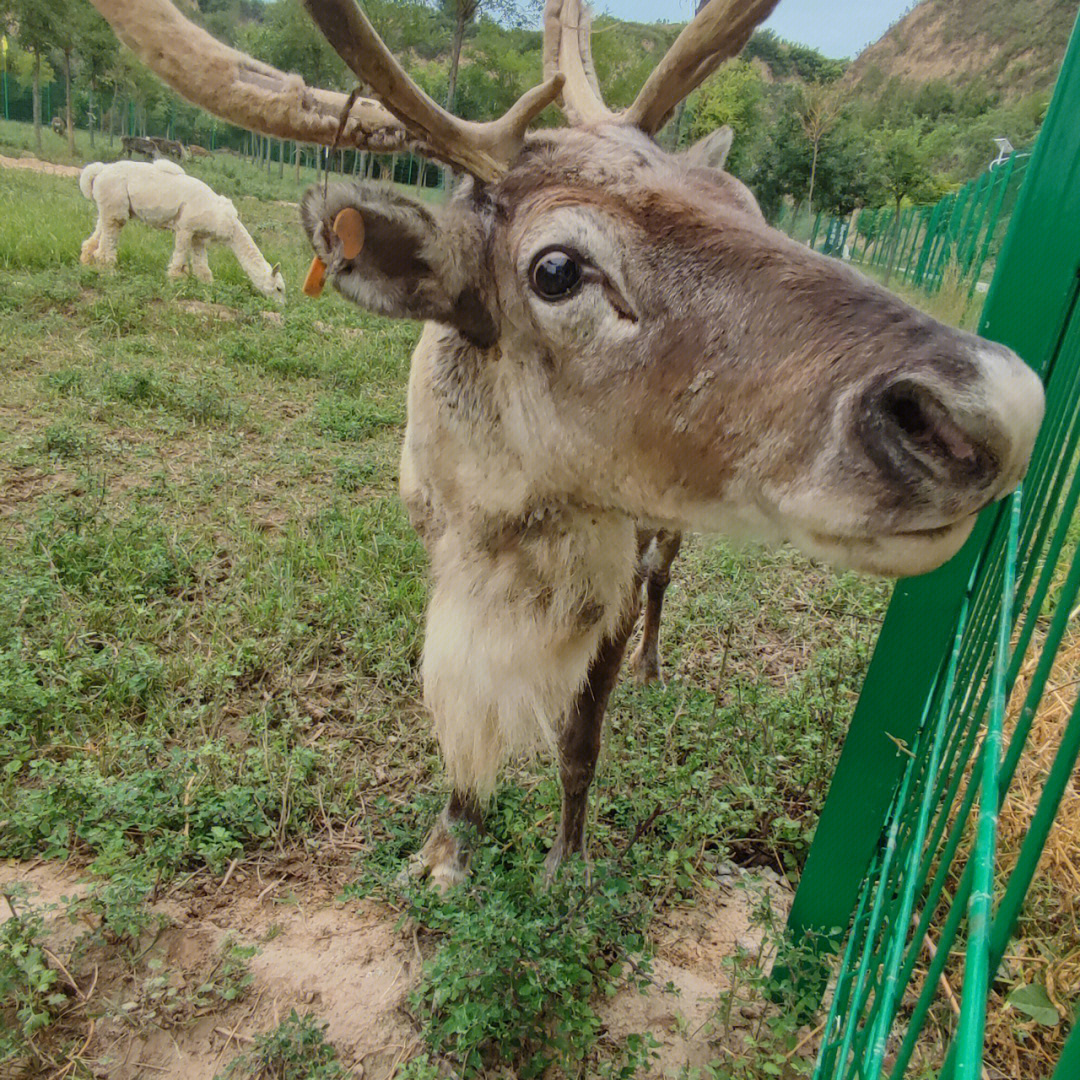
(250, 258)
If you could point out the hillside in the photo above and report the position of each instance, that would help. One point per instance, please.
(1011, 47)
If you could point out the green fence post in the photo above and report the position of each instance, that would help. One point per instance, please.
(1003, 187)
(902, 248)
(929, 240)
(972, 244)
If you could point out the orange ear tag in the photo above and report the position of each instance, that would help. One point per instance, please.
(349, 229)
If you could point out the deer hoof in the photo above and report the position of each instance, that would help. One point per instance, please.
(555, 858)
(644, 667)
(443, 859)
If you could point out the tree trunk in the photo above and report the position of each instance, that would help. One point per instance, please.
(37, 101)
(281, 159)
(455, 58)
(90, 115)
(69, 124)
(813, 175)
(296, 155)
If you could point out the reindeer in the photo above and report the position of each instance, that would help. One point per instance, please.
(138, 144)
(615, 342)
(172, 148)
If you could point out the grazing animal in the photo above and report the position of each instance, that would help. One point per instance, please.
(195, 150)
(616, 342)
(137, 144)
(163, 195)
(172, 148)
(58, 125)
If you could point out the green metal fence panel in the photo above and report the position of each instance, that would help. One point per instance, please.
(900, 856)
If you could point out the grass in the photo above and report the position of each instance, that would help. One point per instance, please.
(210, 615)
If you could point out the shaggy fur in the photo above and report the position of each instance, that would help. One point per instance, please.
(164, 196)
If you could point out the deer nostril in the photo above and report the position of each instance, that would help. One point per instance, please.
(901, 405)
(922, 428)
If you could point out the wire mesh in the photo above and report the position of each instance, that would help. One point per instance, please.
(931, 888)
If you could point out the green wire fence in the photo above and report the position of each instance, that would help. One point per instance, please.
(902, 875)
(962, 232)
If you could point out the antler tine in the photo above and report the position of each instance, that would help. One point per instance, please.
(484, 150)
(718, 32)
(567, 30)
(241, 90)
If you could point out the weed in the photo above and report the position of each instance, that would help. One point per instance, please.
(297, 1049)
(351, 419)
(523, 967)
(29, 984)
(65, 442)
(353, 475)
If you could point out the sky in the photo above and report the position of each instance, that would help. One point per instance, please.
(838, 28)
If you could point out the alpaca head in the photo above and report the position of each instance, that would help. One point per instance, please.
(276, 288)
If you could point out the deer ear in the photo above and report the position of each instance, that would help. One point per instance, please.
(711, 151)
(409, 265)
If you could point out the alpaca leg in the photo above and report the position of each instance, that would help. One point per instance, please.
(181, 256)
(200, 265)
(645, 663)
(106, 247)
(444, 858)
(90, 245)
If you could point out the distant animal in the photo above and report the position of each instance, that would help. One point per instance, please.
(194, 150)
(58, 125)
(136, 144)
(169, 147)
(163, 195)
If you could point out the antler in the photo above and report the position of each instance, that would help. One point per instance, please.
(241, 90)
(567, 50)
(718, 32)
(485, 150)
(255, 95)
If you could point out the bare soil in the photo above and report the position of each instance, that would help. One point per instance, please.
(34, 165)
(350, 963)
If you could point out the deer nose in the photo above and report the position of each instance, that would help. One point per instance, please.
(970, 436)
(916, 437)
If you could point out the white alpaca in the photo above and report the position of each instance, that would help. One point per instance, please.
(163, 195)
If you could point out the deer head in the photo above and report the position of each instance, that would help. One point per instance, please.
(617, 327)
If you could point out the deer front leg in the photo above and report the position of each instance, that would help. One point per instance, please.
(579, 743)
(645, 663)
(444, 858)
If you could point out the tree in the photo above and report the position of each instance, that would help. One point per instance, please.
(820, 107)
(782, 167)
(66, 18)
(464, 12)
(98, 51)
(34, 21)
(903, 171)
(732, 96)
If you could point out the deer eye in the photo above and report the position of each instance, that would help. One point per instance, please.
(554, 274)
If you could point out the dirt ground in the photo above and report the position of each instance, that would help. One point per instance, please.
(352, 966)
(34, 165)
